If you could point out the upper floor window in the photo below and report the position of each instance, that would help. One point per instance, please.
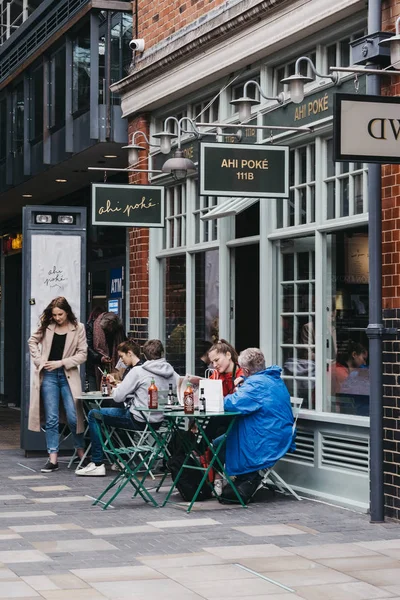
(36, 105)
(81, 71)
(57, 88)
(338, 53)
(206, 111)
(18, 108)
(287, 69)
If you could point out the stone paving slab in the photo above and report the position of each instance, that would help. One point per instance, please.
(277, 548)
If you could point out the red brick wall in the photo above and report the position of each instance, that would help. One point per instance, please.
(158, 20)
(391, 301)
(390, 190)
(139, 246)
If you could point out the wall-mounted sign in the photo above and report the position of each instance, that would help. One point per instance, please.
(127, 205)
(366, 128)
(116, 282)
(314, 108)
(244, 170)
(113, 306)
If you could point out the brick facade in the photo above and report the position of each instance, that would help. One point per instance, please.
(391, 300)
(158, 20)
(139, 248)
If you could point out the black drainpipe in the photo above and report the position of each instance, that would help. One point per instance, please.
(375, 327)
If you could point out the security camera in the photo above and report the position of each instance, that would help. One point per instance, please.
(136, 45)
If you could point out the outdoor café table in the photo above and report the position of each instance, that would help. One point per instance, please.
(199, 420)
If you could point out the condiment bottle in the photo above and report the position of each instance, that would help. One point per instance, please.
(188, 399)
(202, 401)
(170, 398)
(153, 394)
(104, 384)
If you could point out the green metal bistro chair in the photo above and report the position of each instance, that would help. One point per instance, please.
(134, 463)
(270, 478)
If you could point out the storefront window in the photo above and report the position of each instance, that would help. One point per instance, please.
(346, 321)
(205, 231)
(175, 217)
(206, 306)
(81, 71)
(297, 318)
(175, 312)
(299, 209)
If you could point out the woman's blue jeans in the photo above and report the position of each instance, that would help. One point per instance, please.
(54, 386)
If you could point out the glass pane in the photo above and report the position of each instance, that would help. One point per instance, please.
(312, 204)
(302, 297)
(279, 214)
(331, 208)
(197, 228)
(288, 298)
(175, 312)
(345, 53)
(344, 197)
(18, 117)
(330, 163)
(303, 165)
(346, 320)
(288, 267)
(331, 55)
(312, 162)
(81, 70)
(291, 168)
(37, 104)
(358, 194)
(57, 97)
(291, 208)
(303, 205)
(206, 306)
(303, 267)
(287, 330)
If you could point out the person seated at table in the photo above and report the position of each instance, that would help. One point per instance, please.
(262, 433)
(136, 384)
(129, 357)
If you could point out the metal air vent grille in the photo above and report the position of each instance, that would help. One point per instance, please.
(345, 452)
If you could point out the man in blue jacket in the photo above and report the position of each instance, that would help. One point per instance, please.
(263, 432)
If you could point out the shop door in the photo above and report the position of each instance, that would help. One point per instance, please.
(12, 299)
(106, 285)
(246, 294)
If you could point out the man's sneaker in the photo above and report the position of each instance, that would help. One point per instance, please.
(92, 471)
(218, 486)
(49, 467)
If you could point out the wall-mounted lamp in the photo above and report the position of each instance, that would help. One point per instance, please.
(245, 103)
(394, 44)
(297, 81)
(178, 166)
(133, 148)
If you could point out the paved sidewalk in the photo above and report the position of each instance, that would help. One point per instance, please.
(54, 544)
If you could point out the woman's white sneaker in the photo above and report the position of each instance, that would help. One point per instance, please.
(91, 470)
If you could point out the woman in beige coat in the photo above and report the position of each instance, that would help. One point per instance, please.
(57, 348)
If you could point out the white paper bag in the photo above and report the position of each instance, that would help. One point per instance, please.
(213, 394)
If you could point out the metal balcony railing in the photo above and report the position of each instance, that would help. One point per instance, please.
(13, 55)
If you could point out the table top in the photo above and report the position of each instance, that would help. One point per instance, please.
(181, 413)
